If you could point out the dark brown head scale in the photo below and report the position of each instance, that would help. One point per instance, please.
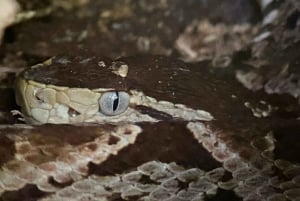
(78, 72)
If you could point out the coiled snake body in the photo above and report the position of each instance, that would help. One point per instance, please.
(144, 128)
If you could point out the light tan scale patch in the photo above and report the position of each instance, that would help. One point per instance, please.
(62, 98)
(79, 107)
(48, 95)
(42, 115)
(21, 86)
(175, 110)
(30, 96)
(119, 68)
(82, 96)
(52, 104)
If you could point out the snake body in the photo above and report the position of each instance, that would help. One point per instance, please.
(184, 135)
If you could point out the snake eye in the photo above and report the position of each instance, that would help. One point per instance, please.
(114, 102)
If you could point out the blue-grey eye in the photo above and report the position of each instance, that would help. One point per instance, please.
(113, 102)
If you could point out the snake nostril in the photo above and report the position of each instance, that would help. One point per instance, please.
(38, 94)
(73, 113)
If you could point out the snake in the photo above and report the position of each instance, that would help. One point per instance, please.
(145, 128)
(142, 128)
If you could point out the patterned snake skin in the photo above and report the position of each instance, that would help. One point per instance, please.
(175, 157)
(73, 166)
(245, 152)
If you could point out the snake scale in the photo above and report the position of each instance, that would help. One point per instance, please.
(147, 128)
(195, 143)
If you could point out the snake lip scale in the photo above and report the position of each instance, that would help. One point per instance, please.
(144, 128)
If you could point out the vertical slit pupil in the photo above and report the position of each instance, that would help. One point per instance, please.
(116, 101)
